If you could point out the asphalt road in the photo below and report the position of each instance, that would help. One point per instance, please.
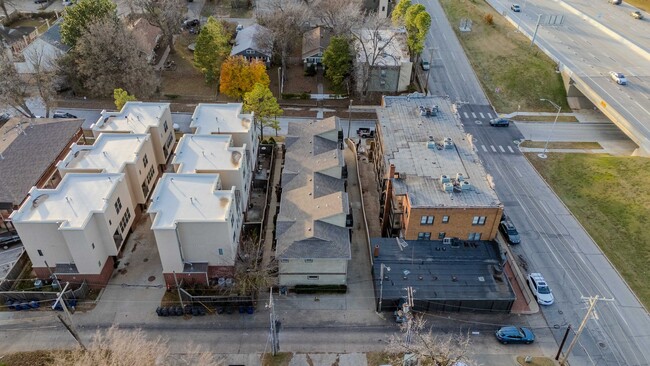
(590, 54)
(553, 242)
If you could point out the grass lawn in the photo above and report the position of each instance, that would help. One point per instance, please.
(281, 359)
(562, 144)
(186, 80)
(610, 196)
(503, 60)
(224, 9)
(641, 4)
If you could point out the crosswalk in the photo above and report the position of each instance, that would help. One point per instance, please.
(498, 148)
(489, 115)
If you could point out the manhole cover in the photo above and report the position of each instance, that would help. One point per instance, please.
(151, 278)
(602, 345)
(146, 260)
(556, 326)
(478, 122)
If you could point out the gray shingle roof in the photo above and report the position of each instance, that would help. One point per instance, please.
(314, 204)
(314, 41)
(53, 37)
(30, 154)
(247, 38)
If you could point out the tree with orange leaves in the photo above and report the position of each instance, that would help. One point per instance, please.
(238, 76)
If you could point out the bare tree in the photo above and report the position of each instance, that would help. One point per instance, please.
(339, 15)
(166, 15)
(44, 74)
(13, 90)
(371, 40)
(118, 347)
(429, 348)
(251, 273)
(285, 23)
(105, 59)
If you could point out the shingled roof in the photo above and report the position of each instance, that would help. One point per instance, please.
(27, 158)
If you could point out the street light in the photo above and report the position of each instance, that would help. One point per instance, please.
(559, 108)
(381, 284)
(349, 117)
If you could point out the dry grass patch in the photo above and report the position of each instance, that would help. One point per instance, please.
(281, 359)
(186, 80)
(536, 361)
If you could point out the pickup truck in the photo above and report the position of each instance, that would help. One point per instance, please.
(365, 133)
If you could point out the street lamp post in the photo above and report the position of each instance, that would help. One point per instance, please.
(381, 284)
(559, 108)
(429, 71)
(349, 117)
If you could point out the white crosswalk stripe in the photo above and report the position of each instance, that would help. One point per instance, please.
(482, 116)
(490, 115)
(509, 148)
(473, 114)
(501, 148)
(484, 148)
(493, 149)
(466, 115)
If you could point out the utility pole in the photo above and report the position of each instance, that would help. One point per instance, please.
(592, 305)
(539, 19)
(275, 341)
(566, 334)
(69, 325)
(429, 71)
(349, 117)
(178, 289)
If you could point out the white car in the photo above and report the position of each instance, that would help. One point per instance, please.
(67, 2)
(618, 77)
(540, 289)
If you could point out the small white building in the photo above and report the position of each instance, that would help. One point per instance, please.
(141, 118)
(77, 229)
(197, 226)
(130, 154)
(215, 154)
(227, 119)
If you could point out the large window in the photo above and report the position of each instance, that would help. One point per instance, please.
(125, 220)
(145, 160)
(478, 220)
(445, 219)
(118, 205)
(474, 236)
(424, 236)
(426, 220)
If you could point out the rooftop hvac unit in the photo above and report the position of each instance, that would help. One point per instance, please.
(460, 177)
(431, 144)
(444, 178)
(448, 187)
(466, 186)
(449, 144)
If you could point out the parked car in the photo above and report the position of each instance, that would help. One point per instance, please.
(512, 334)
(618, 77)
(63, 115)
(636, 14)
(515, 7)
(191, 23)
(40, 1)
(67, 2)
(615, 2)
(425, 65)
(365, 133)
(6, 240)
(509, 231)
(239, 27)
(500, 122)
(4, 117)
(540, 288)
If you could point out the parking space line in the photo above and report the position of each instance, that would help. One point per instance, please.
(501, 148)
(466, 115)
(484, 148)
(490, 115)
(473, 114)
(493, 149)
(482, 116)
(511, 150)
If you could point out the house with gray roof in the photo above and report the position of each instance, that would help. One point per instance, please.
(48, 45)
(254, 43)
(312, 230)
(314, 43)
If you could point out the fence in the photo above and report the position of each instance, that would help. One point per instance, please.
(14, 272)
(43, 296)
(215, 301)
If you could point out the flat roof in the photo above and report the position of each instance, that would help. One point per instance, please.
(189, 198)
(72, 202)
(109, 153)
(207, 153)
(31, 148)
(389, 48)
(310, 195)
(438, 271)
(211, 118)
(135, 117)
(415, 144)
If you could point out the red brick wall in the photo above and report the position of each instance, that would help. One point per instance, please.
(186, 278)
(95, 281)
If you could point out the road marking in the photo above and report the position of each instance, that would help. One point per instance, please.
(511, 150)
(490, 115)
(517, 171)
(463, 77)
(544, 207)
(473, 114)
(501, 148)
(493, 149)
(482, 116)
(466, 115)
(484, 148)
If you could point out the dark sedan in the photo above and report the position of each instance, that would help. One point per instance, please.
(63, 115)
(500, 122)
(512, 334)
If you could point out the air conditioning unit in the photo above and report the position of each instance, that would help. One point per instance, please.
(448, 187)
(466, 186)
(460, 177)
(444, 178)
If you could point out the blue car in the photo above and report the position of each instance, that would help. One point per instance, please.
(512, 334)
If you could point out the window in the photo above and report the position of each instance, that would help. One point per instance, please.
(220, 251)
(165, 127)
(309, 261)
(424, 236)
(40, 253)
(426, 220)
(125, 220)
(150, 175)
(445, 219)
(313, 278)
(99, 263)
(250, 52)
(145, 160)
(110, 222)
(478, 220)
(441, 235)
(169, 140)
(474, 236)
(118, 205)
(92, 245)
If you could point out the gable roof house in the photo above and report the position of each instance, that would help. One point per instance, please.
(253, 42)
(314, 43)
(312, 233)
(147, 37)
(48, 45)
